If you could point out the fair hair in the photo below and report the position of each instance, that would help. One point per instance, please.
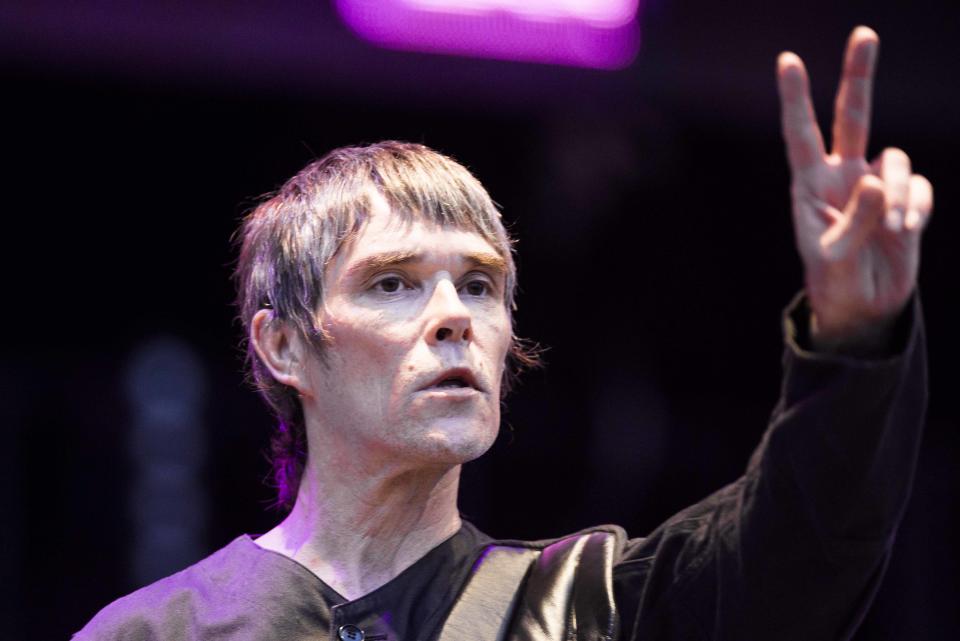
(287, 241)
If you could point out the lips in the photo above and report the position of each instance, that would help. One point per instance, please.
(458, 377)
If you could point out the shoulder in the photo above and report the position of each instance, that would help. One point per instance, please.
(170, 607)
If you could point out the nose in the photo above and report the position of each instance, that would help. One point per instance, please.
(448, 318)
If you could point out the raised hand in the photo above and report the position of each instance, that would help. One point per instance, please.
(857, 224)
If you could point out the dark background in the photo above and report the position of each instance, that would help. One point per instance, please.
(656, 252)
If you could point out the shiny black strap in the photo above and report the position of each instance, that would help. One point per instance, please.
(569, 593)
(593, 605)
(562, 593)
(484, 609)
(544, 611)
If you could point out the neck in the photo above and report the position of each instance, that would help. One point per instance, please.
(357, 530)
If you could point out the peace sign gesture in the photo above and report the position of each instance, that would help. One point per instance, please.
(857, 224)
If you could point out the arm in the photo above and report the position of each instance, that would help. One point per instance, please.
(831, 479)
(796, 548)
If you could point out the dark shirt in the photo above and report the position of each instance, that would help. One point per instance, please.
(794, 549)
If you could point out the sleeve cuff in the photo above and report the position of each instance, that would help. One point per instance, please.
(796, 332)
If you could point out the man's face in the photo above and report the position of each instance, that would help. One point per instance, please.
(418, 335)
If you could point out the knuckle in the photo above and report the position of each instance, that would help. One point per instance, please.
(869, 184)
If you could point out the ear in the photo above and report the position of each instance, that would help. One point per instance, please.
(281, 349)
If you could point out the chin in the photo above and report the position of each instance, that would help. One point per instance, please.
(453, 442)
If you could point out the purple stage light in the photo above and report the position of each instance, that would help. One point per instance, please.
(602, 34)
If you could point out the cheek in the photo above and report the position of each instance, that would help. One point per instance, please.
(493, 339)
(362, 339)
(366, 359)
(503, 338)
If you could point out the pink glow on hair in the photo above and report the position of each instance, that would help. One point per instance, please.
(585, 33)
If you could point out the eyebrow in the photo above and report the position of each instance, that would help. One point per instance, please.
(386, 260)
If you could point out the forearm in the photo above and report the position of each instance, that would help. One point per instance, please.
(847, 430)
(796, 548)
(833, 476)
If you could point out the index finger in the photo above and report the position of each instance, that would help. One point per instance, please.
(851, 119)
(800, 131)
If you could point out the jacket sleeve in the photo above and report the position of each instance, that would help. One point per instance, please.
(797, 546)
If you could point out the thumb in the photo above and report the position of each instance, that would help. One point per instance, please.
(864, 211)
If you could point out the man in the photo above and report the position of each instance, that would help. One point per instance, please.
(377, 289)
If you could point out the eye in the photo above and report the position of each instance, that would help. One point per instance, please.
(389, 285)
(477, 288)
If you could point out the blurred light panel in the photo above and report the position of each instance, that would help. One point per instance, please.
(166, 388)
(602, 34)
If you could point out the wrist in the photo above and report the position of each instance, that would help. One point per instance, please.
(860, 339)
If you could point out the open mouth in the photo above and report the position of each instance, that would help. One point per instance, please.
(453, 381)
(459, 378)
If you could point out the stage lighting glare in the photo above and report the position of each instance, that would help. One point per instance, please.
(602, 34)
